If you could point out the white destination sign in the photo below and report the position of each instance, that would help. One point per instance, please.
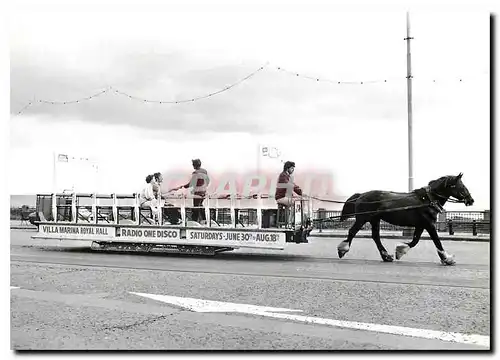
(237, 238)
(150, 234)
(77, 230)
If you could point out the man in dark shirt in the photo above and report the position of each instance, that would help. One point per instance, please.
(199, 182)
(285, 188)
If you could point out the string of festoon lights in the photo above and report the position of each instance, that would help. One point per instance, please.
(191, 99)
(373, 81)
(50, 102)
(338, 82)
(111, 89)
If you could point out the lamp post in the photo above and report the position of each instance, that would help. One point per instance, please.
(410, 115)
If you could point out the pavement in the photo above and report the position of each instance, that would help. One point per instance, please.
(64, 296)
(18, 225)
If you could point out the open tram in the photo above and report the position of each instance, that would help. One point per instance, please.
(117, 222)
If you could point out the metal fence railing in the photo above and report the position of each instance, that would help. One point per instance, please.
(472, 222)
(16, 213)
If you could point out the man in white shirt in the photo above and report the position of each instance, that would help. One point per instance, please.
(157, 180)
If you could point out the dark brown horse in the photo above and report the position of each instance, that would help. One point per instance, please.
(418, 209)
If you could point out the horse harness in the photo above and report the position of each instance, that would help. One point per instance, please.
(425, 194)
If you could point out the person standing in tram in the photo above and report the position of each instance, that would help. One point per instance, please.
(199, 183)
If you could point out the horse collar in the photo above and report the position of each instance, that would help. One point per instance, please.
(433, 202)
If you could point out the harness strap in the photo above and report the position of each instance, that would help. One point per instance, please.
(374, 212)
(434, 203)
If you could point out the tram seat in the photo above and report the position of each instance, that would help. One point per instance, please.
(85, 215)
(127, 222)
(191, 223)
(101, 216)
(146, 219)
(171, 215)
(269, 217)
(125, 214)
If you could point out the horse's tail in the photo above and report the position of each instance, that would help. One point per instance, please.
(349, 207)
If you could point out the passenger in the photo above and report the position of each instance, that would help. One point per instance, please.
(147, 198)
(173, 215)
(199, 183)
(285, 189)
(157, 180)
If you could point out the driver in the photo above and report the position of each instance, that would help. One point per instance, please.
(285, 189)
(199, 183)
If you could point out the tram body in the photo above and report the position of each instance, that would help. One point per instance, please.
(118, 222)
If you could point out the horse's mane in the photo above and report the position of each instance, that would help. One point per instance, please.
(433, 184)
(420, 192)
(436, 183)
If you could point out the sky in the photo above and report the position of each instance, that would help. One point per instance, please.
(357, 133)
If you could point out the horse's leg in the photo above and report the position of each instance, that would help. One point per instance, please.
(446, 259)
(402, 249)
(375, 223)
(345, 245)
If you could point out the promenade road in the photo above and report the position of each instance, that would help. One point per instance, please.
(64, 296)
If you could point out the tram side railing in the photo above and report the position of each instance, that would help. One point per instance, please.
(233, 210)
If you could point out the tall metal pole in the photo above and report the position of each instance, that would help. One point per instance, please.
(54, 173)
(410, 115)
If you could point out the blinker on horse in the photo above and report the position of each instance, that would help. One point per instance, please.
(418, 209)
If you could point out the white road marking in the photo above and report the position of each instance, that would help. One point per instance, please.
(14, 287)
(473, 339)
(199, 305)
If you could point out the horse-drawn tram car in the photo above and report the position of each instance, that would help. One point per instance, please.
(117, 222)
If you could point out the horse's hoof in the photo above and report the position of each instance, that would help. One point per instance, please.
(401, 250)
(449, 262)
(446, 259)
(343, 248)
(386, 257)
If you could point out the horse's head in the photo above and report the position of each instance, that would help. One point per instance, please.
(454, 187)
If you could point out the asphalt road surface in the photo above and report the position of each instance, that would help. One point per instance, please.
(64, 296)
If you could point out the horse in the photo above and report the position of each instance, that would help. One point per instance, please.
(418, 209)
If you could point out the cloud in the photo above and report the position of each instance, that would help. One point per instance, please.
(149, 62)
(270, 101)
